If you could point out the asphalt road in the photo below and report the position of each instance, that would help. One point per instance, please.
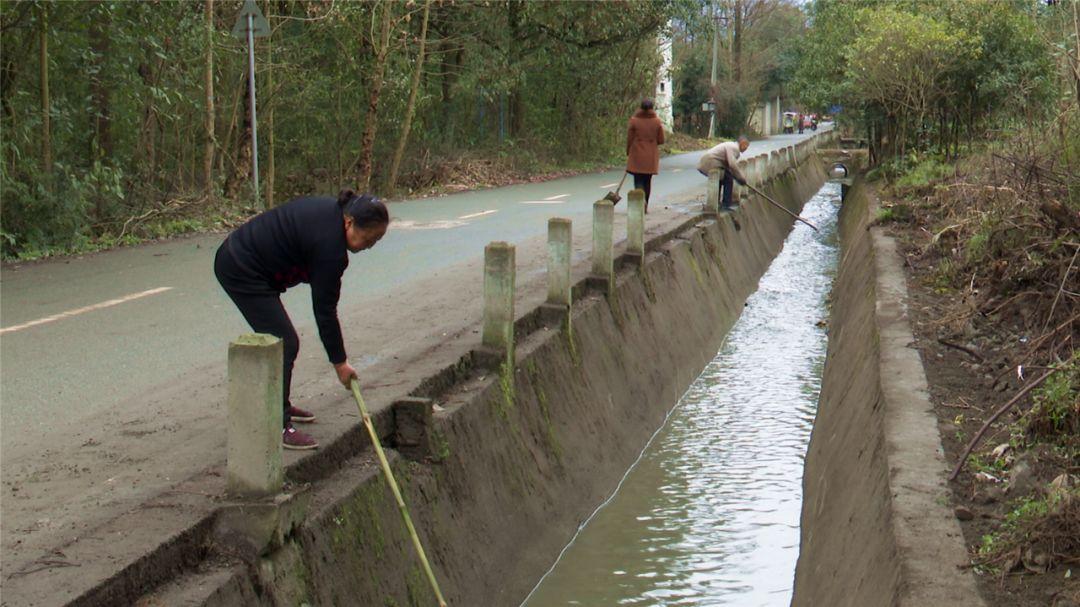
(79, 335)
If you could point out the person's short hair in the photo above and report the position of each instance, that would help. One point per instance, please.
(743, 138)
(646, 104)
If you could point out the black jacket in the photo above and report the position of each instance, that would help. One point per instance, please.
(302, 240)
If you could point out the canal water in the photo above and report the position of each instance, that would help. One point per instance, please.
(709, 514)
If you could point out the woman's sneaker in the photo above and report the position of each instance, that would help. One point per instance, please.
(297, 414)
(291, 438)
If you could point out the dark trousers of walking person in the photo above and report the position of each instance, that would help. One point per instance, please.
(263, 311)
(727, 182)
(643, 181)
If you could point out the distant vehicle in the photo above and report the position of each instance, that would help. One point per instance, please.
(790, 118)
(809, 121)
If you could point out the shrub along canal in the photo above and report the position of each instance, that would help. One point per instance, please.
(709, 514)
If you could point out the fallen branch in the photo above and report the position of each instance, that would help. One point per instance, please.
(965, 349)
(993, 418)
(1061, 288)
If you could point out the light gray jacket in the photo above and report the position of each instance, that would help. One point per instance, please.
(724, 156)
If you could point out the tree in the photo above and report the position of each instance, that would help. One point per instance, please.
(46, 103)
(210, 118)
(410, 108)
(371, 122)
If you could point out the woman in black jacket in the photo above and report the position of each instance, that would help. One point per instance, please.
(303, 240)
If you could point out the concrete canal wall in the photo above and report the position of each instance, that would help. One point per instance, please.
(876, 526)
(501, 475)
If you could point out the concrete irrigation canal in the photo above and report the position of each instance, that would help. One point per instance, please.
(709, 515)
(624, 423)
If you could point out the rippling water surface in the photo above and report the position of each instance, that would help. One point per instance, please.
(710, 513)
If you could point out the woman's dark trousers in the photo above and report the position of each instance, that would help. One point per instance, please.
(643, 181)
(265, 314)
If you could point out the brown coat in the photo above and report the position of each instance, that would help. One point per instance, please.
(643, 137)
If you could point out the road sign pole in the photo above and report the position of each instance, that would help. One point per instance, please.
(254, 122)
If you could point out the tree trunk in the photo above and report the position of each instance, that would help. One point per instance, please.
(1076, 64)
(209, 117)
(736, 42)
(517, 101)
(270, 116)
(101, 138)
(43, 66)
(241, 169)
(367, 142)
(445, 81)
(411, 106)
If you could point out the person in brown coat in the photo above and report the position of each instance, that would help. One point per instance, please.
(643, 138)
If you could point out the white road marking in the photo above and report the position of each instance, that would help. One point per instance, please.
(676, 170)
(610, 185)
(542, 201)
(84, 309)
(480, 214)
(556, 197)
(442, 224)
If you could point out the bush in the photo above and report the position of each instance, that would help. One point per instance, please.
(1055, 417)
(919, 174)
(49, 214)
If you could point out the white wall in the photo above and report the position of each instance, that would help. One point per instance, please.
(664, 85)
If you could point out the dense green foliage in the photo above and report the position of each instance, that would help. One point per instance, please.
(125, 136)
(928, 76)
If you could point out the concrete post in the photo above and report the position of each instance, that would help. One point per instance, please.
(742, 192)
(603, 253)
(255, 415)
(499, 274)
(791, 156)
(559, 251)
(774, 165)
(712, 192)
(635, 225)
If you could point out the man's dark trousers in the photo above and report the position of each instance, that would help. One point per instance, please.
(726, 185)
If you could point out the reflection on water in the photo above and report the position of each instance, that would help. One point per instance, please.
(710, 513)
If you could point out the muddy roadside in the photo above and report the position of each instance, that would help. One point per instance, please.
(1016, 496)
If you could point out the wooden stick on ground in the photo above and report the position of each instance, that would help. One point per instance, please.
(397, 492)
(986, 426)
(782, 207)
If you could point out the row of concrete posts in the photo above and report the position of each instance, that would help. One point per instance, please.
(255, 370)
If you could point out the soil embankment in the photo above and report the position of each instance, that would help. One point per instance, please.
(519, 459)
(876, 527)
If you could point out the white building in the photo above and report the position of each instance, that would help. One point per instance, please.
(664, 86)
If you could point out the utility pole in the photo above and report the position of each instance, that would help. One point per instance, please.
(715, 59)
(251, 24)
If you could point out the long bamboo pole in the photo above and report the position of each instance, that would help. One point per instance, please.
(782, 207)
(397, 492)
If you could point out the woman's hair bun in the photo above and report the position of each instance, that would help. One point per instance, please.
(365, 209)
(344, 196)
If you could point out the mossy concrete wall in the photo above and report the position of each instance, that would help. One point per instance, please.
(527, 453)
(876, 526)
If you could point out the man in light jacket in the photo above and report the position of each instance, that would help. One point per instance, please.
(725, 156)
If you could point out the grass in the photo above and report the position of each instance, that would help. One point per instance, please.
(149, 232)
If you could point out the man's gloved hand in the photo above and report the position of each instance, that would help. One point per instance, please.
(742, 182)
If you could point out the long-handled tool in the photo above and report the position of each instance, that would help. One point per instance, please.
(614, 196)
(355, 384)
(782, 207)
